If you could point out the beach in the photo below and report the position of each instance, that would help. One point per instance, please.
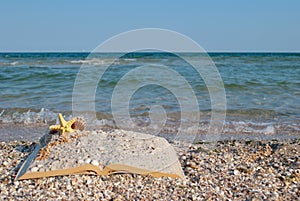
(255, 154)
(152, 100)
(232, 170)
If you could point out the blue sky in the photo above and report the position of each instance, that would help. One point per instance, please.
(224, 25)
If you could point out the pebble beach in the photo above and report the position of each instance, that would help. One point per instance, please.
(231, 170)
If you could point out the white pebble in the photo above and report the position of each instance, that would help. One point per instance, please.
(34, 169)
(88, 160)
(236, 172)
(101, 148)
(275, 195)
(88, 181)
(5, 163)
(95, 162)
(80, 161)
(101, 167)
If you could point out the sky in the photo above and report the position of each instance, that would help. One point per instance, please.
(217, 26)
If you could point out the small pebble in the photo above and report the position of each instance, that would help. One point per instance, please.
(89, 181)
(95, 162)
(80, 161)
(5, 163)
(236, 172)
(88, 160)
(34, 169)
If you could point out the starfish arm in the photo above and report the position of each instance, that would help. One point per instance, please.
(55, 127)
(62, 131)
(61, 120)
(71, 122)
(68, 126)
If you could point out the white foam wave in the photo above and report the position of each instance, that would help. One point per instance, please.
(29, 117)
(45, 116)
(14, 63)
(9, 63)
(242, 127)
(93, 61)
(128, 59)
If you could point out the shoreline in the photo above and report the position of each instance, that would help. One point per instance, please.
(32, 132)
(240, 169)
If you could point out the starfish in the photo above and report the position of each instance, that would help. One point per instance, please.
(64, 126)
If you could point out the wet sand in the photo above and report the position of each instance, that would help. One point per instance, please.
(32, 132)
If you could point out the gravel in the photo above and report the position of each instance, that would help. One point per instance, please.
(232, 170)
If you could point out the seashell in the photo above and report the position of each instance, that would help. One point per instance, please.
(79, 124)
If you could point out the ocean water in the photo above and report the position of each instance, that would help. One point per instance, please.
(262, 92)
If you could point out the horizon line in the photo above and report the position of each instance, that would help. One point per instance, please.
(149, 52)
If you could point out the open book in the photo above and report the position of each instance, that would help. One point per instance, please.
(101, 153)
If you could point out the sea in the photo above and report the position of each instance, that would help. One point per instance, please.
(262, 92)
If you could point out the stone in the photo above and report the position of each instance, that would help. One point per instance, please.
(87, 161)
(34, 169)
(236, 172)
(5, 163)
(95, 162)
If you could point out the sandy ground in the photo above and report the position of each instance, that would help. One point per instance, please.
(232, 170)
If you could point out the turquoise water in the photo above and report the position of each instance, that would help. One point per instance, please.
(262, 89)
